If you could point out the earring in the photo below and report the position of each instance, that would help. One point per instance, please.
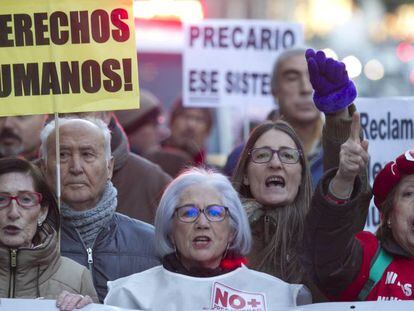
(389, 223)
(39, 223)
(245, 180)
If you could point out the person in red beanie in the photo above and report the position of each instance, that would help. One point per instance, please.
(348, 265)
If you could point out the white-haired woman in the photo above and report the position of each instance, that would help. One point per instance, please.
(202, 233)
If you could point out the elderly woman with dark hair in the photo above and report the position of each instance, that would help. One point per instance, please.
(30, 261)
(202, 233)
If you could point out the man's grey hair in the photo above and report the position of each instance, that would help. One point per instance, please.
(51, 126)
(286, 54)
(242, 240)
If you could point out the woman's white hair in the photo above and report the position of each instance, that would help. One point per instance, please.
(50, 128)
(207, 178)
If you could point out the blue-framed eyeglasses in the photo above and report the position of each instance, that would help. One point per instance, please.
(190, 212)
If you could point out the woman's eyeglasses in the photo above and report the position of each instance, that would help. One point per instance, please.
(190, 213)
(25, 199)
(265, 154)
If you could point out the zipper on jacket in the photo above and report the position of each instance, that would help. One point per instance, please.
(13, 265)
(89, 252)
(90, 258)
(266, 228)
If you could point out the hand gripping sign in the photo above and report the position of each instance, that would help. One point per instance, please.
(67, 56)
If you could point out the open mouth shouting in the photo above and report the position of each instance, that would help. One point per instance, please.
(275, 181)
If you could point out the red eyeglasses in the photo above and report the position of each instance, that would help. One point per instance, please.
(25, 199)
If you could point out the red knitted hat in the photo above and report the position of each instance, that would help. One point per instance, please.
(391, 174)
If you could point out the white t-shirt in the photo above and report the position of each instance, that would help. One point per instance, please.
(241, 289)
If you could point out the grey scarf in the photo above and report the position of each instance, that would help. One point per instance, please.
(88, 223)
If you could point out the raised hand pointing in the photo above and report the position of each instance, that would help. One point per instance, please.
(353, 157)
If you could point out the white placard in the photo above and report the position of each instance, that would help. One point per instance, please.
(388, 125)
(7, 304)
(49, 305)
(356, 306)
(229, 62)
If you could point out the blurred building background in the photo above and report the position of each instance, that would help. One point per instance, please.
(374, 38)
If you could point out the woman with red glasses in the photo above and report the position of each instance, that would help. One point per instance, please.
(202, 233)
(30, 261)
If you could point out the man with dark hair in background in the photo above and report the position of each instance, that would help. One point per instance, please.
(144, 126)
(190, 128)
(20, 135)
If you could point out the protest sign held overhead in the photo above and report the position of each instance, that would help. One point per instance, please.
(388, 125)
(229, 62)
(67, 56)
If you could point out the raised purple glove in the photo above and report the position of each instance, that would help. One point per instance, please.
(329, 78)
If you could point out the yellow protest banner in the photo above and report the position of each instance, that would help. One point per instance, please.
(67, 56)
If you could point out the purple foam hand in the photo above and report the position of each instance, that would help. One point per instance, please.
(326, 74)
(329, 78)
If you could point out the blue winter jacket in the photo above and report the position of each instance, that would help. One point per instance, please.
(125, 247)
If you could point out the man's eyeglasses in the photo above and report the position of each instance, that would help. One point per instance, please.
(265, 154)
(25, 199)
(190, 213)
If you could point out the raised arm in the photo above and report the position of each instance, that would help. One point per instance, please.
(332, 255)
(334, 94)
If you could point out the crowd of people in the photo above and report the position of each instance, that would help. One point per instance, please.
(129, 214)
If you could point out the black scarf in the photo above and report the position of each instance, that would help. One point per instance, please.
(231, 262)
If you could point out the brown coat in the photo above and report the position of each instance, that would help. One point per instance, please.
(139, 182)
(41, 271)
(331, 254)
(335, 132)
